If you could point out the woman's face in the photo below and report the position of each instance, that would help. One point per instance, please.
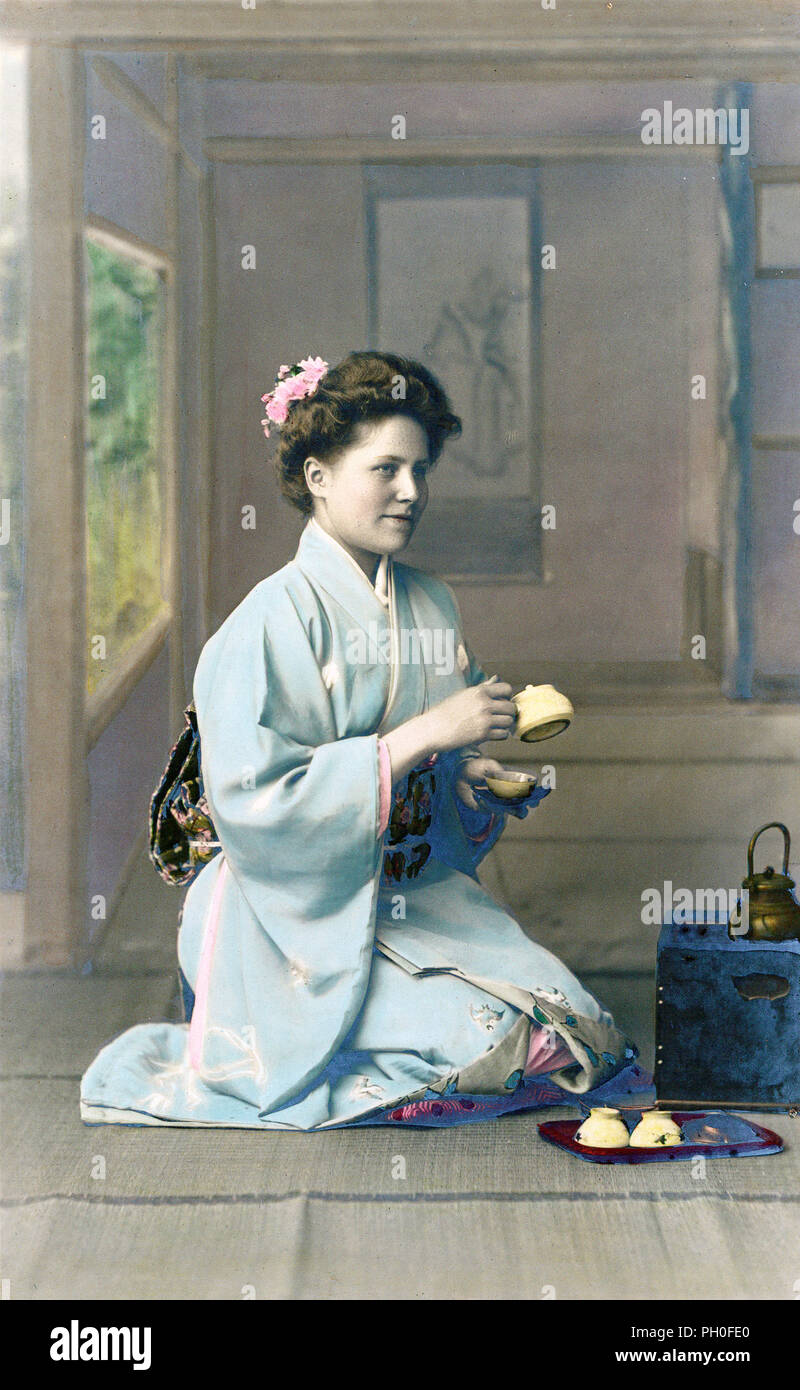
(372, 497)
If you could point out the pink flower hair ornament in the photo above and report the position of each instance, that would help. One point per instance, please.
(291, 384)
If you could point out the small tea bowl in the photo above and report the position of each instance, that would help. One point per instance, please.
(603, 1128)
(654, 1130)
(512, 786)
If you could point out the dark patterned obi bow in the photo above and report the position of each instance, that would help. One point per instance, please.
(182, 834)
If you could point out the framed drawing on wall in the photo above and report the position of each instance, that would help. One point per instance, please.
(454, 281)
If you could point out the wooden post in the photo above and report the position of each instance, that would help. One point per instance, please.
(170, 404)
(735, 424)
(58, 790)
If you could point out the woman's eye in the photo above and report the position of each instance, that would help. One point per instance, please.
(420, 471)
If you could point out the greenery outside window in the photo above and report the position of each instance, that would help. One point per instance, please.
(127, 534)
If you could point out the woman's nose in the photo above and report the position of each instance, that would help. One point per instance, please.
(407, 487)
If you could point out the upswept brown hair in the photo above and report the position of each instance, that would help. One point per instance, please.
(357, 390)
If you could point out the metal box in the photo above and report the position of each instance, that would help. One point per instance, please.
(727, 1019)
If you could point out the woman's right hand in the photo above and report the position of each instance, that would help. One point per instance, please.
(472, 716)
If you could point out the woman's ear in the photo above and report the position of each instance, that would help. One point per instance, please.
(315, 476)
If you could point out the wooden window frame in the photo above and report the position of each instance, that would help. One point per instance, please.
(104, 703)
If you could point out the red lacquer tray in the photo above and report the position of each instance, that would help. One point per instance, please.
(562, 1134)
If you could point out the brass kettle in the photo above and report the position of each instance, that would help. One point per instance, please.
(774, 914)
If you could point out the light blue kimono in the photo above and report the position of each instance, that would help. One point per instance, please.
(326, 990)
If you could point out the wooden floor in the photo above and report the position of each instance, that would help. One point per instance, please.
(484, 1211)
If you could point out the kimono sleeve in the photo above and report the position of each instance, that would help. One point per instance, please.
(296, 807)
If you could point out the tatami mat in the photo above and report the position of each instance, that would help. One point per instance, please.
(313, 1246)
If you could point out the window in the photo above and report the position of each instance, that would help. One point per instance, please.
(127, 560)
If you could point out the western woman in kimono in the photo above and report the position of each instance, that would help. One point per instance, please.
(345, 963)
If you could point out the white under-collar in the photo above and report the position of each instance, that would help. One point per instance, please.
(381, 586)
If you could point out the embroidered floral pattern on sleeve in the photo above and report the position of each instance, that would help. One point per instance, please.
(409, 819)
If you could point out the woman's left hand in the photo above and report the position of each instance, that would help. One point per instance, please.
(472, 772)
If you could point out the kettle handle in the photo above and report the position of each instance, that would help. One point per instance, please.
(773, 825)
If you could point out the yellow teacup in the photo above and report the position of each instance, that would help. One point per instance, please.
(512, 785)
(542, 712)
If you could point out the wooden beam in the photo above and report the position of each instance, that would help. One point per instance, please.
(579, 30)
(123, 87)
(543, 59)
(124, 242)
(339, 149)
(54, 560)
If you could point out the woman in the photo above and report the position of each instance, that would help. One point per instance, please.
(346, 964)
